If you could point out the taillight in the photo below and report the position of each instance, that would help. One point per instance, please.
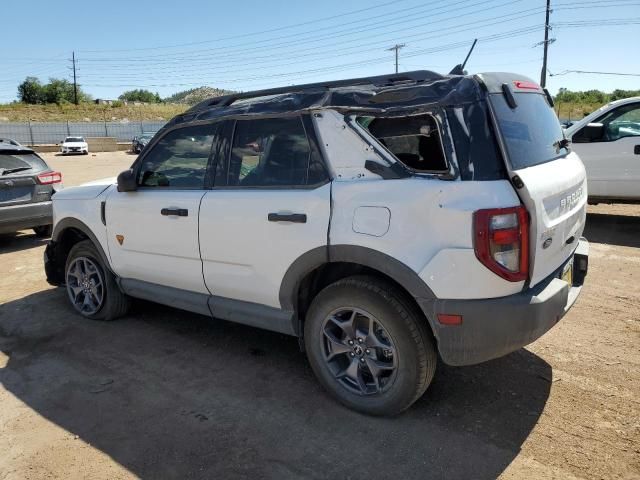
(48, 178)
(501, 241)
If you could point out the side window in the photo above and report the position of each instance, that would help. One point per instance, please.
(620, 122)
(267, 153)
(414, 140)
(179, 160)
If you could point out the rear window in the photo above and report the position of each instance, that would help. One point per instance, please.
(531, 131)
(10, 161)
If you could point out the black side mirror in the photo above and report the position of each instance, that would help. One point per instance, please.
(591, 132)
(127, 181)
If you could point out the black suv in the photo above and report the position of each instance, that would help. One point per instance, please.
(26, 186)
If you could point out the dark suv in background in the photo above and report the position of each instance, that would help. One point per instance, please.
(26, 186)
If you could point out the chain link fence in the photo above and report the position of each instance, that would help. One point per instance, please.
(43, 133)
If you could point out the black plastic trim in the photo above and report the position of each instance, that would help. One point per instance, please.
(69, 222)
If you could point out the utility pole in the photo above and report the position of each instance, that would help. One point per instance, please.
(75, 84)
(397, 47)
(543, 73)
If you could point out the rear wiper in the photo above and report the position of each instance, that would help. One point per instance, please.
(563, 143)
(13, 170)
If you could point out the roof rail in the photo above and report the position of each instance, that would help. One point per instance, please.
(415, 76)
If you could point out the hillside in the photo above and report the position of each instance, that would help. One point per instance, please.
(195, 95)
(89, 112)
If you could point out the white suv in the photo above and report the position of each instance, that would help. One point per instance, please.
(608, 142)
(383, 221)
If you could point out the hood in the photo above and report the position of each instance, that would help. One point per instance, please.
(74, 144)
(83, 192)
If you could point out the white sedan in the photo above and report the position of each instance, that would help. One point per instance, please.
(608, 143)
(74, 145)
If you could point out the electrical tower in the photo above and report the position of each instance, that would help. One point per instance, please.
(397, 47)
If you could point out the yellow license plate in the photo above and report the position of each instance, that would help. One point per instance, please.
(567, 273)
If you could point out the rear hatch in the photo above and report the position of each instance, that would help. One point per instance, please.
(550, 179)
(19, 184)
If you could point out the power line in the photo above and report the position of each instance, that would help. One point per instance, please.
(565, 72)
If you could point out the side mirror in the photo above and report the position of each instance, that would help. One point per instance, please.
(127, 181)
(591, 132)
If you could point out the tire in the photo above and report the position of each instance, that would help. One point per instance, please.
(87, 275)
(43, 231)
(398, 344)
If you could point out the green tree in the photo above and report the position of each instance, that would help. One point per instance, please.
(140, 95)
(31, 91)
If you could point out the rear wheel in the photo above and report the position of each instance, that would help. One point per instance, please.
(368, 345)
(91, 287)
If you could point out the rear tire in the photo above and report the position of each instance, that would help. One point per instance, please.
(43, 231)
(91, 287)
(369, 346)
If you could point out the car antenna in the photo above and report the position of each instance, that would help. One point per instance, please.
(459, 69)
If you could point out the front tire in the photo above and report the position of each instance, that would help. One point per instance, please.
(369, 346)
(90, 286)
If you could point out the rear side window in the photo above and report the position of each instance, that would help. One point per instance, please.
(531, 131)
(179, 160)
(414, 140)
(10, 161)
(269, 152)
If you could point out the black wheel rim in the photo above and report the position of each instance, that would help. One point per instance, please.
(85, 285)
(358, 351)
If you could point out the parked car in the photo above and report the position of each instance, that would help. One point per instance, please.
(608, 142)
(382, 221)
(26, 186)
(10, 141)
(139, 142)
(74, 145)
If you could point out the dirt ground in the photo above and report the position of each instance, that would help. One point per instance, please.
(168, 394)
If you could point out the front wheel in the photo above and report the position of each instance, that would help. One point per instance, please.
(91, 287)
(369, 346)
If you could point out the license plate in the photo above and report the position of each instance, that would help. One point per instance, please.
(567, 273)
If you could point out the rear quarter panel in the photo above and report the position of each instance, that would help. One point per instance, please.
(430, 229)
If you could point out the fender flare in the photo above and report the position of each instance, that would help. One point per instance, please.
(71, 222)
(367, 257)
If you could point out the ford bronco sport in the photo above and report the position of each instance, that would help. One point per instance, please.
(381, 220)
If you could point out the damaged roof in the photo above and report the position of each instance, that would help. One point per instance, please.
(386, 92)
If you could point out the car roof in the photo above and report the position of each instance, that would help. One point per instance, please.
(11, 148)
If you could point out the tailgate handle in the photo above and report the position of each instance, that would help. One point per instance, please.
(288, 217)
(178, 212)
(636, 149)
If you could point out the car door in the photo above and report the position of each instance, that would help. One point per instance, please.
(269, 205)
(153, 231)
(612, 159)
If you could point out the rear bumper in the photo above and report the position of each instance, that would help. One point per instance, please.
(18, 217)
(495, 327)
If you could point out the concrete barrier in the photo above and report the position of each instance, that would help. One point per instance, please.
(121, 147)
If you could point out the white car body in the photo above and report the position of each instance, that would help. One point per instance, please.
(474, 210)
(74, 145)
(613, 161)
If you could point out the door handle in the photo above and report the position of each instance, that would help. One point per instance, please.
(636, 149)
(178, 212)
(288, 217)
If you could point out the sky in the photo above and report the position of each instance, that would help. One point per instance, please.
(249, 44)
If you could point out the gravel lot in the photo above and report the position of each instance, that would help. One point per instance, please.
(168, 394)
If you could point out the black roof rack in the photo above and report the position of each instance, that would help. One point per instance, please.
(415, 76)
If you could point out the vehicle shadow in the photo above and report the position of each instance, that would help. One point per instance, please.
(12, 242)
(169, 394)
(622, 230)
